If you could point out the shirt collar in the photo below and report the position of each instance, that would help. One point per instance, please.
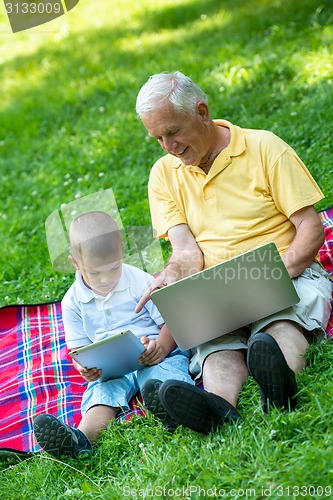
(234, 148)
(85, 294)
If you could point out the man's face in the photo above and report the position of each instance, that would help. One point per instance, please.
(182, 135)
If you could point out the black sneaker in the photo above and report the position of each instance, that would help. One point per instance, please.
(196, 408)
(7, 453)
(268, 367)
(60, 439)
(153, 403)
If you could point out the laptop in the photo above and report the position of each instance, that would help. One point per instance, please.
(225, 297)
(116, 355)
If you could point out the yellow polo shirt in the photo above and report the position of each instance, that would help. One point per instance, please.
(244, 201)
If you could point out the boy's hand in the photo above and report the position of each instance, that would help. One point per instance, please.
(153, 354)
(89, 374)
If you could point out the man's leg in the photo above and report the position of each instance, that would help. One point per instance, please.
(292, 342)
(224, 373)
(273, 356)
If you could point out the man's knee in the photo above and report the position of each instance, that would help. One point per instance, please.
(227, 361)
(292, 342)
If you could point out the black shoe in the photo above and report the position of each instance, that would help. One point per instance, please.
(195, 408)
(268, 367)
(60, 439)
(7, 453)
(151, 399)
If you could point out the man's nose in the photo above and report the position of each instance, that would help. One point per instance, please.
(168, 144)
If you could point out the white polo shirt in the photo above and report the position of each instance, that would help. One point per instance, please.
(89, 317)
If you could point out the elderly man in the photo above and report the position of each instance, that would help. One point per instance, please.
(218, 192)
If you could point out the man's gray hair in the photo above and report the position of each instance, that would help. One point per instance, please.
(175, 87)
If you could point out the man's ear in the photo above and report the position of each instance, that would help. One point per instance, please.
(73, 261)
(203, 110)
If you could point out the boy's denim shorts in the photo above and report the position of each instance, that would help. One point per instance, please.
(312, 312)
(118, 392)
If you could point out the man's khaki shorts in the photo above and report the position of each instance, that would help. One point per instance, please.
(312, 312)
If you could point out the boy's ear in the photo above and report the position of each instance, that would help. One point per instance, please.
(73, 261)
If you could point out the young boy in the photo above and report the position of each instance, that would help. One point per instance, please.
(101, 302)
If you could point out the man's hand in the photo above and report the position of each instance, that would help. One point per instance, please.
(89, 374)
(153, 354)
(186, 259)
(162, 280)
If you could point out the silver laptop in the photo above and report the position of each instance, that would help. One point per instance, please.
(116, 355)
(225, 297)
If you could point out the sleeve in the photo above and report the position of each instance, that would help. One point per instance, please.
(140, 280)
(291, 184)
(73, 324)
(154, 313)
(163, 208)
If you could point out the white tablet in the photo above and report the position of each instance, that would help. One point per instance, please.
(116, 355)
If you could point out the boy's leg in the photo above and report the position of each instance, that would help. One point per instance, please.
(96, 419)
(59, 439)
(100, 403)
(150, 379)
(174, 366)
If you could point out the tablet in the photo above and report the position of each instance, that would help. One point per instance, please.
(116, 355)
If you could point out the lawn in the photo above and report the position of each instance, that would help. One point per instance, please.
(69, 129)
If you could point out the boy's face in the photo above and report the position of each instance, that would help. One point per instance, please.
(100, 275)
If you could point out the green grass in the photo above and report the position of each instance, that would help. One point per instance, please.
(68, 128)
(268, 453)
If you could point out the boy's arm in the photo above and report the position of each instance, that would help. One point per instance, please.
(72, 319)
(89, 374)
(157, 350)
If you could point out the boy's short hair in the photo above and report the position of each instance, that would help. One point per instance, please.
(94, 234)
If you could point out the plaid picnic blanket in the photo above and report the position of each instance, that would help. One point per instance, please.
(326, 251)
(37, 375)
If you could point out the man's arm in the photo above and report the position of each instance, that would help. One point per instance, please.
(186, 259)
(308, 239)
